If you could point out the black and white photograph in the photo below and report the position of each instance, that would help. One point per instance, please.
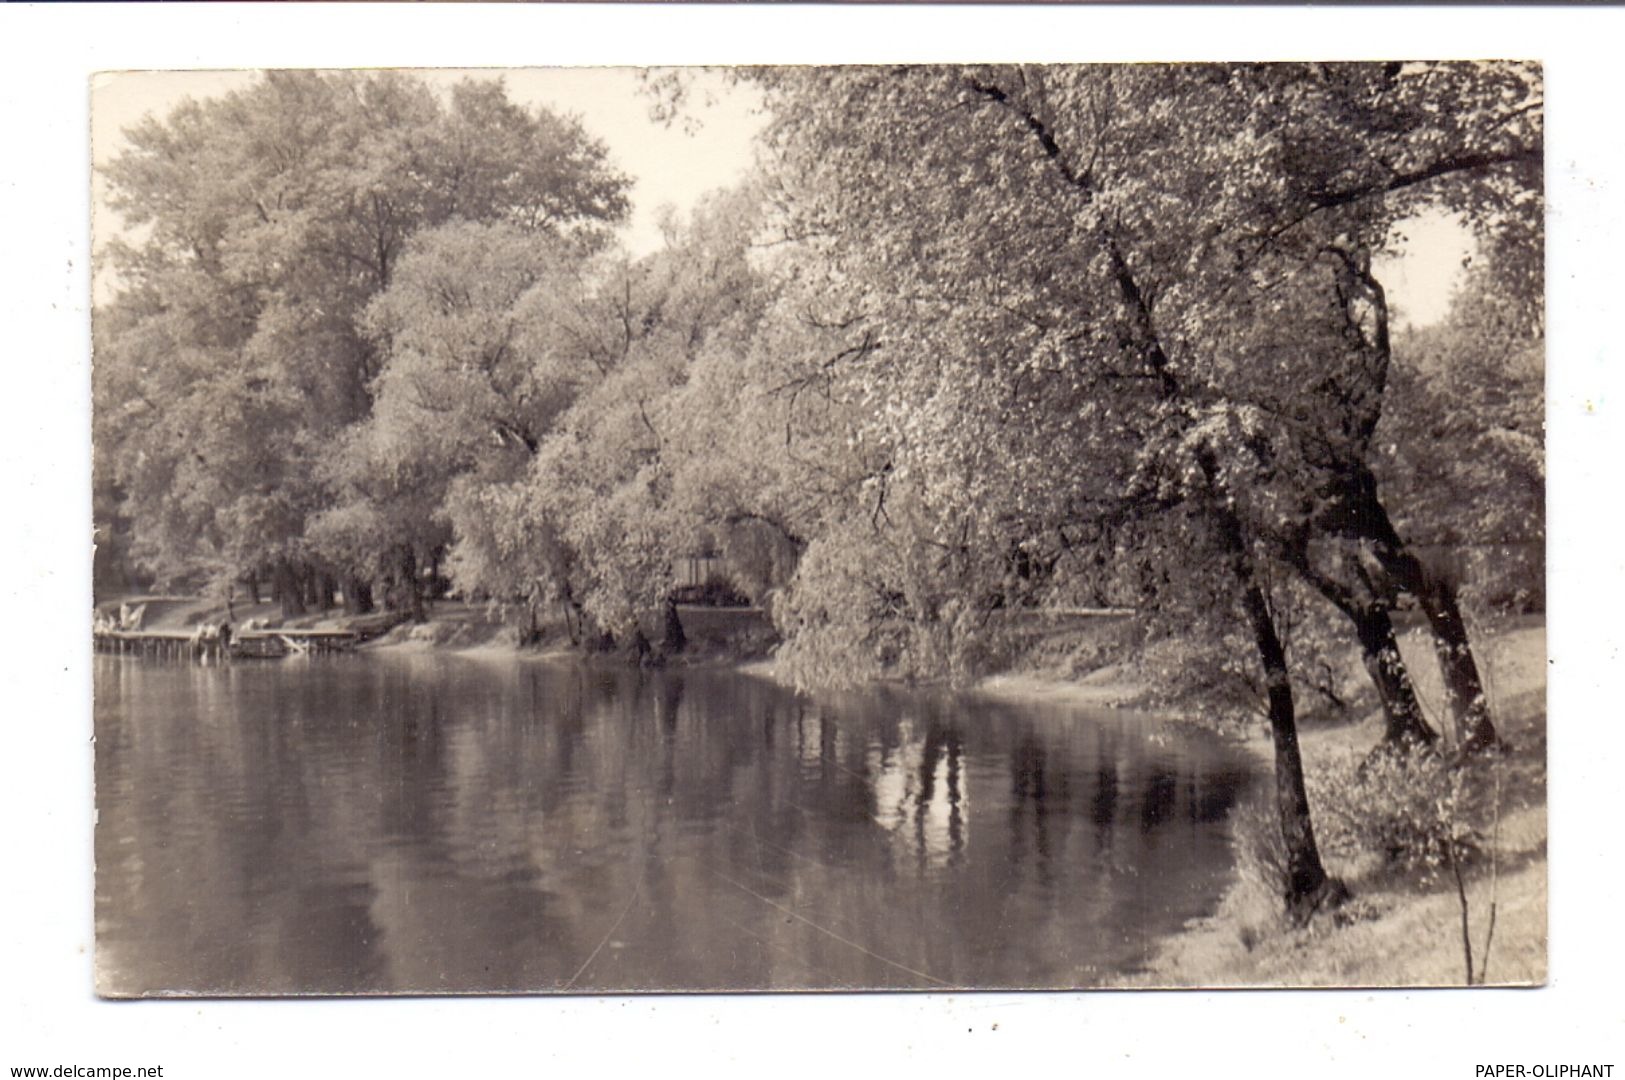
(779, 540)
(919, 527)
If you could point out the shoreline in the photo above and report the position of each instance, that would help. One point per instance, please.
(1393, 932)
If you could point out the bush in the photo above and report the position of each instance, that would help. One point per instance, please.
(1261, 864)
(1406, 811)
(1207, 677)
(1260, 851)
(1409, 809)
(1417, 811)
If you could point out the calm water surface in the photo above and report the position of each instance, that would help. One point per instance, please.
(392, 823)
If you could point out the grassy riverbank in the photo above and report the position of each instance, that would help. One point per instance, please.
(1401, 928)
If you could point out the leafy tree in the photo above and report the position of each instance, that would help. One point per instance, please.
(474, 376)
(773, 453)
(605, 480)
(568, 386)
(267, 220)
(1105, 263)
(1463, 443)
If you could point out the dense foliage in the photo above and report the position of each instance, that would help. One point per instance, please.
(973, 343)
(236, 359)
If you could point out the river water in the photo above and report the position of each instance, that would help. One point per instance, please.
(380, 823)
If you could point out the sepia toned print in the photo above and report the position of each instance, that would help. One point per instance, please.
(809, 528)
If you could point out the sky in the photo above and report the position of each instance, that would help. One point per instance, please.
(676, 165)
(669, 164)
(1420, 281)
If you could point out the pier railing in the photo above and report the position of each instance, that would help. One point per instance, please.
(191, 644)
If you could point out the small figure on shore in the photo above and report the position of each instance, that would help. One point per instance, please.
(206, 640)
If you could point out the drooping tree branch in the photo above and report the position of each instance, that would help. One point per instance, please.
(1130, 288)
(1445, 166)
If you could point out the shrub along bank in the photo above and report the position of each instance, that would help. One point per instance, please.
(1446, 861)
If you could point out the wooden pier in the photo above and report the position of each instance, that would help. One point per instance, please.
(245, 644)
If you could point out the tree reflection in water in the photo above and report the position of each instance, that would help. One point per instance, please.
(384, 823)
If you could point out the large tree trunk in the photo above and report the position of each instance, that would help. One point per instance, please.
(1357, 510)
(310, 583)
(1308, 886)
(674, 640)
(1404, 724)
(1463, 687)
(437, 589)
(411, 585)
(1379, 648)
(1366, 517)
(330, 586)
(289, 589)
(357, 595)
